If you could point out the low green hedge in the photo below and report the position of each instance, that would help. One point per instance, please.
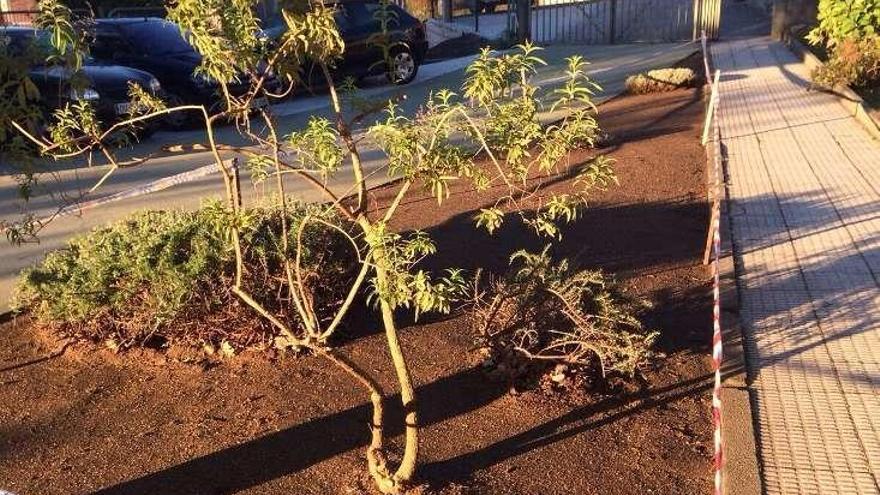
(160, 277)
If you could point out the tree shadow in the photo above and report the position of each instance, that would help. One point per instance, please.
(296, 448)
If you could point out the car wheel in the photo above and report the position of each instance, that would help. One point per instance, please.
(179, 120)
(146, 131)
(402, 66)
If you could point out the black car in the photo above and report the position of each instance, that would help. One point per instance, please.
(475, 6)
(359, 26)
(157, 46)
(108, 85)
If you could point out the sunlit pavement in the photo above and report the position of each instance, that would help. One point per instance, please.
(610, 66)
(803, 202)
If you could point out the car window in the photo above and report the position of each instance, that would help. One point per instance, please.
(341, 19)
(35, 44)
(156, 37)
(360, 15)
(108, 44)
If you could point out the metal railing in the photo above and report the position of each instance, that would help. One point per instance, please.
(619, 21)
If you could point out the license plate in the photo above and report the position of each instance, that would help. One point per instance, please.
(122, 108)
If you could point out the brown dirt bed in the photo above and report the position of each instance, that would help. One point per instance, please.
(90, 421)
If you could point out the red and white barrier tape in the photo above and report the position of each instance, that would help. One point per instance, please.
(717, 347)
(717, 350)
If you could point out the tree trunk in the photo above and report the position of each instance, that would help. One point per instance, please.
(407, 468)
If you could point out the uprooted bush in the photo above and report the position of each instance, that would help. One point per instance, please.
(544, 315)
(659, 80)
(164, 277)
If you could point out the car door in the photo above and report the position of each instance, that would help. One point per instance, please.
(358, 27)
(110, 47)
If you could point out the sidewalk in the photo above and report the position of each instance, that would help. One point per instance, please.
(804, 185)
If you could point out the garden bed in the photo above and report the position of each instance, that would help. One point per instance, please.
(90, 420)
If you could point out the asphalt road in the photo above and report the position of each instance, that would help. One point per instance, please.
(610, 66)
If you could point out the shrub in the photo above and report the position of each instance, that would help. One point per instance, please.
(849, 33)
(656, 81)
(163, 276)
(852, 63)
(551, 313)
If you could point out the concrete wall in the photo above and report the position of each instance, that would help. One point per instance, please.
(22, 4)
(788, 13)
(7, 5)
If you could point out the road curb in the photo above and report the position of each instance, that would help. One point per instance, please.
(847, 97)
(741, 473)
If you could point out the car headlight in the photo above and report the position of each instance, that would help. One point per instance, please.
(155, 87)
(87, 94)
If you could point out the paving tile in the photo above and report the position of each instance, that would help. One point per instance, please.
(804, 203)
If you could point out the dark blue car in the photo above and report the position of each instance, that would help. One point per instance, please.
(107, 84)
(157, 46)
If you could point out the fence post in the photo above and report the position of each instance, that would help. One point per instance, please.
(523, 20)
(445, 8)
(613, 25)
(716, 20)
(477, 15)
(713, 101)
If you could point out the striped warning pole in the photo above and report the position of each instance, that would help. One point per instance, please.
(717, 353)
(713, 249)
(717, 349)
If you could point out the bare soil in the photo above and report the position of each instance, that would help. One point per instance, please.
(90, 421)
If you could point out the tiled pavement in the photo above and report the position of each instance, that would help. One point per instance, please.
(804, 185)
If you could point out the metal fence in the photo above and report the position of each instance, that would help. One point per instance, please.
(618, 21)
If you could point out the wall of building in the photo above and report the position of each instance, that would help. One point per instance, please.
(7, 5)
(788, 13)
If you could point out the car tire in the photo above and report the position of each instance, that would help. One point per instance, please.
(147, 131)
(179, 120)
(402, 68)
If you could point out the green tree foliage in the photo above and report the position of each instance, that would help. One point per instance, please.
(850, 31)
(852, 19)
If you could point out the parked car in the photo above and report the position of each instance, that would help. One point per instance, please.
(359, 26)
(487, 6)
(157, 46)
(108, 85)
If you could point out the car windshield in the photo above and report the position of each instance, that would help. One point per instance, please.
(156, 37)
(35, 44)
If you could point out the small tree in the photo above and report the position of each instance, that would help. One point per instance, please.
(495, 120)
